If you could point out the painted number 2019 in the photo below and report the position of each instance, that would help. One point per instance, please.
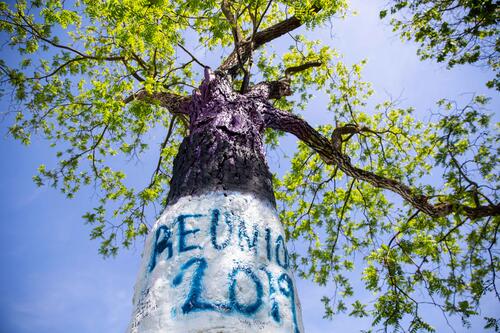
(195, 301)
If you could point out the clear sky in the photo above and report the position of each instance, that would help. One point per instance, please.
(54, 281)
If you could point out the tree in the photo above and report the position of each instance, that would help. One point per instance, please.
(106, 73)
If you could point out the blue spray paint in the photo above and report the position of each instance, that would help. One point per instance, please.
(275, 310)
(213, 230)
(247, 309)
(183, 232)
(242, 235)
(194, 300)
(290, 293)
(161, 242)
(280, 243)
(268, 243)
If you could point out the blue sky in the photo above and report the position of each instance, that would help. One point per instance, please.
(54, 281)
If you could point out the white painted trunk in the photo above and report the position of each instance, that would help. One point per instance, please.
(216, 263)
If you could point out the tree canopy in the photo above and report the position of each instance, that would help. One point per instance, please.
(456, 32)
(95, 78)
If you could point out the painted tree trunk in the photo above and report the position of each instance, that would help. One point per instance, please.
(216, 260)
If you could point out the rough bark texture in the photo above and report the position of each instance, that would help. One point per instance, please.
(224, 149)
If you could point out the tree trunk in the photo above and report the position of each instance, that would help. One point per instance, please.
(216, 260)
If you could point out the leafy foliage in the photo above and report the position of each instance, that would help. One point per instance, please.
(404, 251)
(456, 32)
(89, 78)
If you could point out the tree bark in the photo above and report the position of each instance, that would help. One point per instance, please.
(224, 150)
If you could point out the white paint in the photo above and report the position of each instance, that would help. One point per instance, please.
(158, 301)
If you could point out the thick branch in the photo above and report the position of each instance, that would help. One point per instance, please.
(176, 104)
(348, 129)
(246, 47)
(300, 68)
(288, 122)
(280, 88)
(271, 89)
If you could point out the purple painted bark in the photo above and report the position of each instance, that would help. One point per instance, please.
(224, 149)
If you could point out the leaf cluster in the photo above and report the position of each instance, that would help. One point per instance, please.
(455, 32)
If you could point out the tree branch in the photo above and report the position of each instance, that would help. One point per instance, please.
(191, 55)
(233, 22)
(231, 64)
(237, 37)
(280, 88)
(331, 154)
(176, 104)
(31, 29)
(55, 71)
(300, 68)
(132, 72)
(163, 145)
(271, 89)
(339, 223)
